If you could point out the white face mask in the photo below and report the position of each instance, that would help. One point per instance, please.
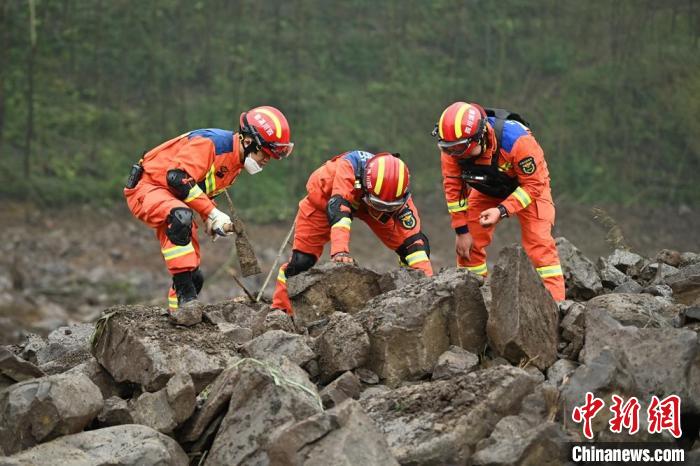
(251, 166)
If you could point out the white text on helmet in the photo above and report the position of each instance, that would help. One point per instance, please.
(470, 121)
(263, 122)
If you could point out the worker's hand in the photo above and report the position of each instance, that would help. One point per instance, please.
(490, 217)
(463, 245)
(343, 257)
(214, 225)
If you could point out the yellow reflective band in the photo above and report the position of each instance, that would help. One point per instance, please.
(380, 176)
(477, 269)
(194, 193)
(177, 251)
(457, 206)
(505, 167)
(442, 117)
(281, 276)
(345, 222)
(458, 120)
(399, 187)
(172, 303)
(522, 196)
(550, 271)
(275, 120)
(416, 257)
(210, 181)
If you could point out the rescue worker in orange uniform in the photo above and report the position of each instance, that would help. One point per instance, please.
(180, 178)
(493, 168)
(356, 184)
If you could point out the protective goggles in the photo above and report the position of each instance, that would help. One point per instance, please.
(385, 206)
(276, 150)
(460, 147)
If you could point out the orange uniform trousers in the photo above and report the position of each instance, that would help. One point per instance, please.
(536, 222)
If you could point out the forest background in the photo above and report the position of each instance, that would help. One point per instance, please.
(611, 89)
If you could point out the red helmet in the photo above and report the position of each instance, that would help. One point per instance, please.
(462, 127)
(385, 182)
(270, 130)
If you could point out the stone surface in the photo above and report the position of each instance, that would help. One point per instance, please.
(686, 284)
(127, 445)
(398, 278)
(639, 310)
(628, 287)
(66, 348)
(344, 387)
(610, 276)
(100, 377)
(331, 287)
(410, 328)
(115, 412)
(42, 409)
(573, 327)
(274, 344)
(344, 435)
(138, 344)
(343, 346)
(441, 422)
(264, 397)
(181, 396)
(560, 371)
(523, 321)
(628, 262)
(580, 275)
(455, 361)
(188, 314)
(273, 320)
(152, 409)
(17, 368)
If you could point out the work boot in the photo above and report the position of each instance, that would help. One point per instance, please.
(187, 314)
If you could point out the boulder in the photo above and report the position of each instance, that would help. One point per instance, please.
(628, 262)
(264, 397)
(100, 377)
(455, 361)
(42, 409)
(663, 360)
(115, 412)
(560, 371)
(344, 435)
(628, 287)
(523, 321)
(398, 278)
(663, 291)
(168, 408)
(343, 346)
(119, 445)
(232, 312)
(345, 387)
(410, 328)
(331, 287)
(580, 275)
(138, 344)
(639, 310)
(274, 320)
(66, 348)
(610, 276)
(274, 344)
(441, 422)
(689, 258)
(17, 368)
(573, 327)
(239, 335)
(686, 284)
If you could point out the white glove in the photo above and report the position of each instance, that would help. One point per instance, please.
(215, 223)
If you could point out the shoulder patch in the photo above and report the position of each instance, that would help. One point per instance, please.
(407, 219)
(528, 165)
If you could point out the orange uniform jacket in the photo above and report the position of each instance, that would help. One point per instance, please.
(210, 156)
(521, 158)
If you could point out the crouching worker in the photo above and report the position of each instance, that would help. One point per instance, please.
(357, 184)
(180, 178)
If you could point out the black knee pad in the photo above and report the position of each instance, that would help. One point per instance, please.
(300, 262)
(198, 279)
(180, 226)
(414, 243)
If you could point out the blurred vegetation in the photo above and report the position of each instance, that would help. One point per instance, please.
(611, 88)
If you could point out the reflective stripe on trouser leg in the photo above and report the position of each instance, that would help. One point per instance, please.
(479, 269)
(280, 298)
(553, 279)
(172, 299)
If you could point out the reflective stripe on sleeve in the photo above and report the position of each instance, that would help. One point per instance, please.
(417, 257)
(345, 222)
(522, 196)
(194, 193)
(457, 206)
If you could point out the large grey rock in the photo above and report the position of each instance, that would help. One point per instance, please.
(523, 321)
(411, 327)
(125, 445)
(628, 262)
(233, 312)
(343, 346)
(331, 287)
(689, 258)
(610, 276)
(441, 422)
(277, 343)
(639, 310)
(168, 408)
(115, 412)
(663, 360)
(263, 398)
(17, 368)
(560, 371)
(274, 320)
(580, 275)
(573, 328)
(42, 409)
(455, 361)
(686, 284)
(628, 287)
(181, 396)
(344, 387)
(138, 344)
(344, 435)
(398, 278)
(66, 348)
(100, 377)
